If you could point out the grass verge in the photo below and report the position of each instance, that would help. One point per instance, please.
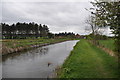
(16, 45)
(108, 44)
(88, 61)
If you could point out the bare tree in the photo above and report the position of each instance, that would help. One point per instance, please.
(96, 32)
(91, 25)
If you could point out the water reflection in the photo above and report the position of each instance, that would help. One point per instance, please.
(27, 54)
(0, 67)
(34, 63)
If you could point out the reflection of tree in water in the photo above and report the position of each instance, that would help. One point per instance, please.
(27, 55)
(39, 51)
(44, 50)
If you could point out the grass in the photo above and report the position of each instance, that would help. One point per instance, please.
(88, 61)
(108, 43)
(14, 43)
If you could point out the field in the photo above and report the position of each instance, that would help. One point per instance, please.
(108, 43)
(12, 45)
(88, 61)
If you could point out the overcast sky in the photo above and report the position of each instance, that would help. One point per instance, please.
(59, 15)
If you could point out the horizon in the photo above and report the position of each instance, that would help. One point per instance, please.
(69, 16)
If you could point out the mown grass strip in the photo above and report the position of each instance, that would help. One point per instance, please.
(88, 61)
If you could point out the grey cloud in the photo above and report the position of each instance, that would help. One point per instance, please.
(59, 16)
(47, 0)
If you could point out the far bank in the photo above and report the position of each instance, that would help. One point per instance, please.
(18, 45)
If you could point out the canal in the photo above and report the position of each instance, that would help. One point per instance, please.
(37, 63)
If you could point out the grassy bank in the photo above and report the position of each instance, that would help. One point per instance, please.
(108, 43)
(14, 45)
(88, 61)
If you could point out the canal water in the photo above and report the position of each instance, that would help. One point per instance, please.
(34, 63)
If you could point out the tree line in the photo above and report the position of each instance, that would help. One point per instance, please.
(107, 14)
(24, 30)
(65, 34)
(29, 30)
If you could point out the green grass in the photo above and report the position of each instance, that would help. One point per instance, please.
(108, 43)
(11, 45)
(88, 61)
(14, 43)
